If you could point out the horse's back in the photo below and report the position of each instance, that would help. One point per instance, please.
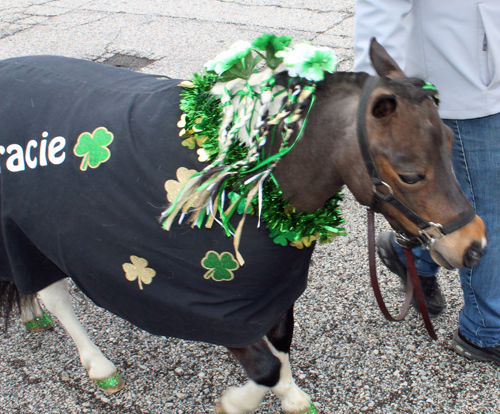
(85, 152)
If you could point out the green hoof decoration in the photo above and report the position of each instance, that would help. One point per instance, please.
(111, 385)
(310, 410)
(40, 324)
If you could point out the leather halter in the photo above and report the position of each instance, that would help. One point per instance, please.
(428, 231)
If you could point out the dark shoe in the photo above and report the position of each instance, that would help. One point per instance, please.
(466, 349)
(432, 292)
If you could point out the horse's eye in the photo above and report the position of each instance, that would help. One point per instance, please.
(411, 178)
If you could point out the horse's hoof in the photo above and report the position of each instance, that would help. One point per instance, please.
(218, 409)
(44, 323)
(111, 385)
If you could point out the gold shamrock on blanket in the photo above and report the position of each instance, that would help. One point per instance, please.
(139, 270)
(173, 187)
(189, 136)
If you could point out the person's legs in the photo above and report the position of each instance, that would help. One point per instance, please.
(476, 161)
(422, 258)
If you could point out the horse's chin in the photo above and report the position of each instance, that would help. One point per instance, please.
(440, 260)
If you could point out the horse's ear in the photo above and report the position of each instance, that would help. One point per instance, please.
(384, 65)
(384, 106)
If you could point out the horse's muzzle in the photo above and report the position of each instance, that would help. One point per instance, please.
(473, 254)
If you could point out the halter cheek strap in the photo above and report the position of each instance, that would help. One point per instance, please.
(428, 231)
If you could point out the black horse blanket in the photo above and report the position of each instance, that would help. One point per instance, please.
(85, 152)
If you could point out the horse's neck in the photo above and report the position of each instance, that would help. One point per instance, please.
(315, 169)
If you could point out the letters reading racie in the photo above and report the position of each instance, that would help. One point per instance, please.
(34, 155)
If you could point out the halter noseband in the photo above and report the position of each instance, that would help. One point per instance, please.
(428, 231)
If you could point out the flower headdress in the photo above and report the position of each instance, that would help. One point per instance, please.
(230, 111)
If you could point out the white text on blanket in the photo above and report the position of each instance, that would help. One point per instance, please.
(48, 152)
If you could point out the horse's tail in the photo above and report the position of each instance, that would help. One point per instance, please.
(10, 297)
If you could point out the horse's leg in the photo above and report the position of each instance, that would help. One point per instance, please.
(33, 316)
(293, 399)
(263, 370)
(57, 301)
(268, 367)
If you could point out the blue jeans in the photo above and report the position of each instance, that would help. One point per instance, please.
(476, 161)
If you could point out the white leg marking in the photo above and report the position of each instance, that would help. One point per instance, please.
(30, 309)
(293, 399)
(57, 300)
(241, 400)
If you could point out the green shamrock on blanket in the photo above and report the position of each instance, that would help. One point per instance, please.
(283, 238)
(92, 147)
(219, 266)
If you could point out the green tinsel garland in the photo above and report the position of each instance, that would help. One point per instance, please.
(198, 103)
(203, 119)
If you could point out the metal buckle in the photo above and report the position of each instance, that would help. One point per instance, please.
(384, 184)
(405, 241)
(431, 234)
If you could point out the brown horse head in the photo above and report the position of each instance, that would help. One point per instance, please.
(409, 144)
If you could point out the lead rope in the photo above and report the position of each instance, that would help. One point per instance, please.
(413, 282)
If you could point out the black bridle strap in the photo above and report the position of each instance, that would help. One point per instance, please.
(361, 130)
(403, 208)
(460, 222)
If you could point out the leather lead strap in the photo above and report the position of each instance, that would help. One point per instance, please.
(413, 283)
(413, 276)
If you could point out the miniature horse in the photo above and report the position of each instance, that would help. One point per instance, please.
(409, 144)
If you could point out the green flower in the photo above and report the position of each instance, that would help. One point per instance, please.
(278, 43)
(229, 58)
(283, 238)
(272, 44)
(308, 61)
(92, 147)
(219, 266)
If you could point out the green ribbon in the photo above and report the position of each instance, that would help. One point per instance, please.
(285, 150)
(430, 86)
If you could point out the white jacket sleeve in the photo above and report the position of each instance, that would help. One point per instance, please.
(386, 21)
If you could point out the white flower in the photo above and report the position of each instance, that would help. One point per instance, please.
(225, 60)
(309, 62)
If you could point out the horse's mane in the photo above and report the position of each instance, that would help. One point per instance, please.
(411, 89)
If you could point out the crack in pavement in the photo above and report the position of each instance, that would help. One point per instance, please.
(25, 14)
(335, 25)
(280, 6)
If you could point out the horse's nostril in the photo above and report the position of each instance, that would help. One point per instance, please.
(473, 254)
